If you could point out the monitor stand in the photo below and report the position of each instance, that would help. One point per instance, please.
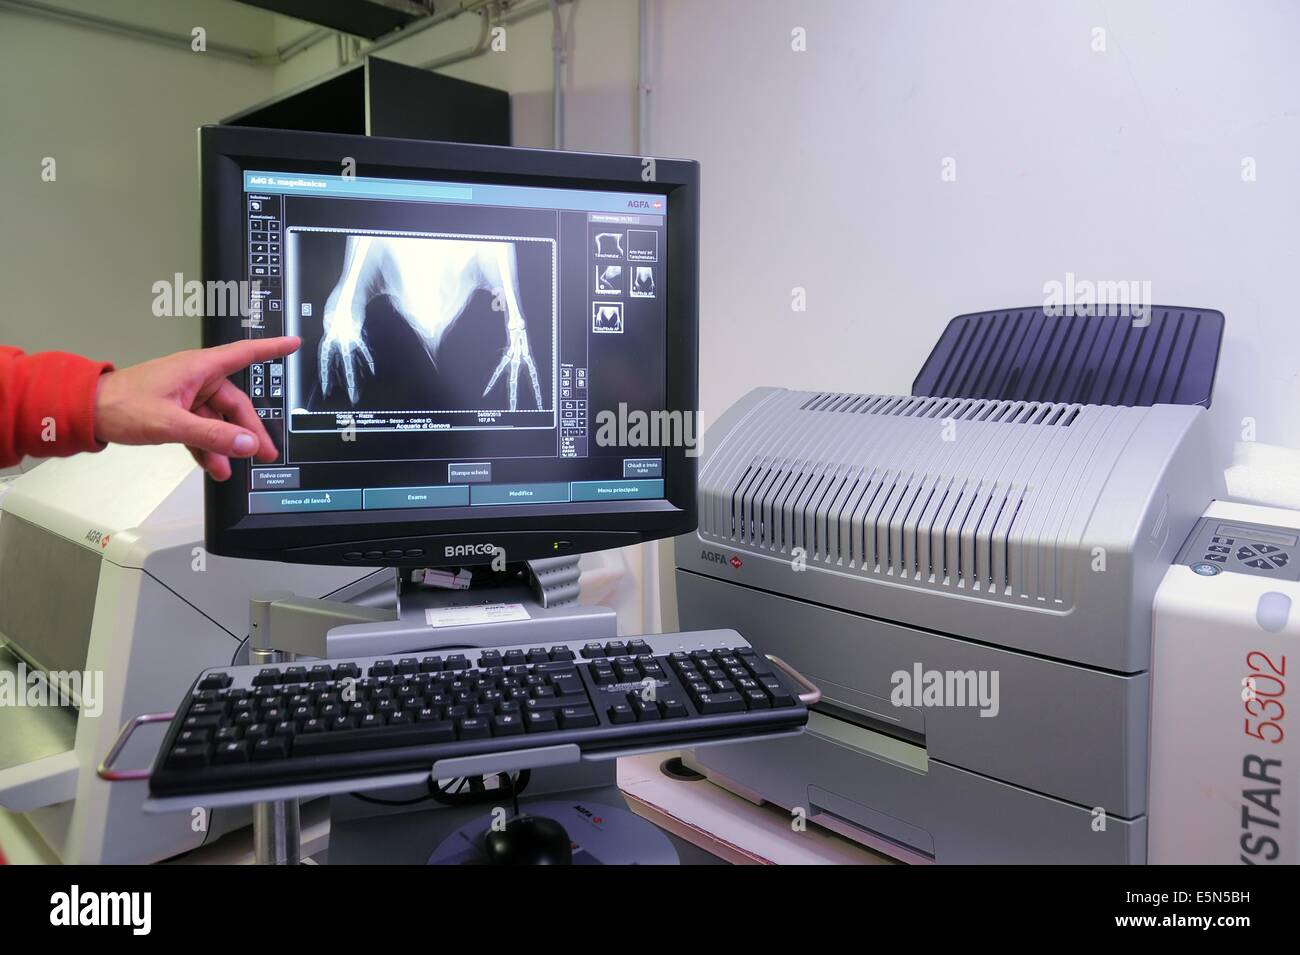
(387, 614)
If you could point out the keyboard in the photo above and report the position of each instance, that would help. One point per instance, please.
(249, 727)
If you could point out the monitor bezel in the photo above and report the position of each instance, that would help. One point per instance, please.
(523, 532)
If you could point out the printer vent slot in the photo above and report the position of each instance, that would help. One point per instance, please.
(946, 533)
(929, 529)
(1054, 414)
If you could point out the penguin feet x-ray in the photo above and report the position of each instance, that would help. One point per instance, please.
(429, 282)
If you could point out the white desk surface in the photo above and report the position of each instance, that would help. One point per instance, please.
(732, 828)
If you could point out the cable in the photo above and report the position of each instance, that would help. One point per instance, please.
(452, 794)
(398, 802)
(480, 794)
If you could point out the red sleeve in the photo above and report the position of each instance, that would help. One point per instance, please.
(47, 404)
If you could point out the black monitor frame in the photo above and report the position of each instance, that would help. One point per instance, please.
(525, 532)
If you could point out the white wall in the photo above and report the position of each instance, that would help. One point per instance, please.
(821, 169)
(79, 256)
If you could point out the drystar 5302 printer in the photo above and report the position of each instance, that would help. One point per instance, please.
(968, 574)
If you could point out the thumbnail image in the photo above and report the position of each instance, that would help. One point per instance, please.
(607, 317)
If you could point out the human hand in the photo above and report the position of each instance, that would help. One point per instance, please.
(187, 398)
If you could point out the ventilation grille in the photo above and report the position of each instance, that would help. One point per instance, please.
(1099, 358)
(990, 498)
(918, 527)
(956, 409)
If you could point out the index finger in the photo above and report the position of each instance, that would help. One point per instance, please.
(239, 355)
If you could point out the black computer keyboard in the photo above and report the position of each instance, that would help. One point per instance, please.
(250, 727)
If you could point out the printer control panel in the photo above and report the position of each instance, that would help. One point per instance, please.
(1216, 545)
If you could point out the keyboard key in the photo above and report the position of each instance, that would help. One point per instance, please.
(540, 721)
(538, 655)
(268, 676)
(381, 668)
(644, 709)
(187, 757)
(672, 708)
(216, 681)
(560, 654)
(592, 650)
(295, 675)
(779, 694)
(346, 740)
(431, 664)
(274, 747)
(233, 752)
(568, 684)
(615, 648)
(474, 728)
(507, 724)
(729, 702)
(577, 717)
(621, 713)
(408, 665)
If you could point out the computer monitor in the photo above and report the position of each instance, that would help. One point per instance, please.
(499, 353)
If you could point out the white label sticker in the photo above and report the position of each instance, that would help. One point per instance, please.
(483, 613)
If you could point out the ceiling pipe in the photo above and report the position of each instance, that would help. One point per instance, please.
(184, 41)
(557, 76)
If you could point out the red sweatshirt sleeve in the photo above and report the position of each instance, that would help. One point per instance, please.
(47, 404)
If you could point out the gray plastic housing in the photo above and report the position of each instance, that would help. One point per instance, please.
(856, 536)
(1044, 528)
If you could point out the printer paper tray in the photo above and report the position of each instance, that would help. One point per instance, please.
(37, 764)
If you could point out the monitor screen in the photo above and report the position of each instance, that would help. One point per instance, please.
(475, 348)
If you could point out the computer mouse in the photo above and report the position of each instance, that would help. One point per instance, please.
(529, 840)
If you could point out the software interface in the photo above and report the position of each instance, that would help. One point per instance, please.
(459, 340)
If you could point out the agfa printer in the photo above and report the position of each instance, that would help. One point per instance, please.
(1012, 519)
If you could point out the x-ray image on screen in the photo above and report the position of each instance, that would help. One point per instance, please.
(410, 324)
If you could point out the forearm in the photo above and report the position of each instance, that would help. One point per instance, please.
(47, 404)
